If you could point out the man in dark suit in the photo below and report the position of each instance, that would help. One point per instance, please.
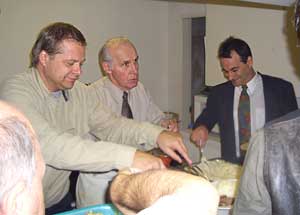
(269, 98)
(270, 182)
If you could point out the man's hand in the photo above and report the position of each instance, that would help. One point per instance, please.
(170, 124)
(145, 161)
(170, 143)
(200, 135)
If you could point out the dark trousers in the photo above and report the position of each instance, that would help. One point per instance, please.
(73, 181)
(62, 206)
(66, 203)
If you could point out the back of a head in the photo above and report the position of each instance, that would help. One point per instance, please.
(234, 44)
(50, 38)
(17, 160)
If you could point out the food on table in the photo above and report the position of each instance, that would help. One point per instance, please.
(219, 169)
(166, 160)
(223, 175)
(226, 201)
(215, 170)
(158, 153)
(226, 187)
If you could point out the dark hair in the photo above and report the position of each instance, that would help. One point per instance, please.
(50, 38)
(237, 45)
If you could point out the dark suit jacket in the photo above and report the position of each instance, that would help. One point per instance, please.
(280, 99)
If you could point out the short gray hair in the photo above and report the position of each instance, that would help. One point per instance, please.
(17, 160)
(104, 55)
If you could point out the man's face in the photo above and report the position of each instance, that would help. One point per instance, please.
(60, 71)
(124, 69)
(236, 71)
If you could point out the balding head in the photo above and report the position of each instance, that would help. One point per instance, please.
(21, 164)
(118, 59)
(7, 110)
(104, 54)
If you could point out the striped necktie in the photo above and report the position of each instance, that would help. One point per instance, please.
(244, 116)
(126, 110)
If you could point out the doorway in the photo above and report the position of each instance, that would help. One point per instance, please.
(193, 63)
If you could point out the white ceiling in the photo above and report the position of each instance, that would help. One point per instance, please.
(266, 2)
(273, 2)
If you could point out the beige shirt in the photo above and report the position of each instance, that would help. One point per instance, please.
(142, 106)
(63, 128)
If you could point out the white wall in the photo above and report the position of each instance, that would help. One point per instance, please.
(144, 22)
(268, 32)
(157, 28)
(179, 86)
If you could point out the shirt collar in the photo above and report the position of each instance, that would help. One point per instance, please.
(252, 84)
(113, 88)
(46, 92)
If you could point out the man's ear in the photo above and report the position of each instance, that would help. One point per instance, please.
(12, 202)
(43, 57)
(106, 67)
(250, 61)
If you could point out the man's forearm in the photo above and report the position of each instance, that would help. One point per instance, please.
(139, 191)
(136, 192)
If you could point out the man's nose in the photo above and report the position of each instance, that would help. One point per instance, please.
(229, 75)
(134, 68)
(77, 69)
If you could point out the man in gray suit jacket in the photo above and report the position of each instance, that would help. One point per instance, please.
(270, 98)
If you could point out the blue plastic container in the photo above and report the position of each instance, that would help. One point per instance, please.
(105, 209)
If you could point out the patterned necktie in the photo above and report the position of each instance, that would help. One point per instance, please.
(126, 110)
(244, 116)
